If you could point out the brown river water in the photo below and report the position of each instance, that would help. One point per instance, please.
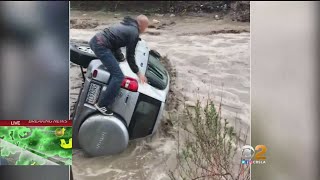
(208, 56)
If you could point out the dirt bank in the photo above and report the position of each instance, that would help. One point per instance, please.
(237, 10)
(205, 56)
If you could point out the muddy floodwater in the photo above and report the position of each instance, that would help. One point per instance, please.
(210, 57)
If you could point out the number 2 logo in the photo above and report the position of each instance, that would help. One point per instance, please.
(260, 151)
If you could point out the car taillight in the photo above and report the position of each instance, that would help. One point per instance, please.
(95, 73)
(130, 84)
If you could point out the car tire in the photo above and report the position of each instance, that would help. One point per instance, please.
(79, 54)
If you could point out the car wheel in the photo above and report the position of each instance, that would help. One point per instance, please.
(81, 55)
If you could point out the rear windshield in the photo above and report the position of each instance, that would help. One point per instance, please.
(156, 73)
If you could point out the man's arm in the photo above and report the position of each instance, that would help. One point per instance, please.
(118, 55)
(131, 48)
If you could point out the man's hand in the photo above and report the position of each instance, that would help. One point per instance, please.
(142, 78)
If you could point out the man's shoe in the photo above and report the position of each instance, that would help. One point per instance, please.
(104, 110)
(121, 59)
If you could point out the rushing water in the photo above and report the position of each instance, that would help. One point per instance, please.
(217, 64)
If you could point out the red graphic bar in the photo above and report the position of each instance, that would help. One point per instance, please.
(35, 122)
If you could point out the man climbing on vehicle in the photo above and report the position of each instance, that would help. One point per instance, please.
(106, 45)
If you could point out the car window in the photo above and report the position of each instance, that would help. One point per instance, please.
(156, 73)
(144, 116)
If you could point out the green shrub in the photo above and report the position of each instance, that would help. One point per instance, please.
(208, 146)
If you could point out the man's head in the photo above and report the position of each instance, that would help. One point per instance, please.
(143, 23)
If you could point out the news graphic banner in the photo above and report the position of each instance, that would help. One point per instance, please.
(36, 142)
(35, 123)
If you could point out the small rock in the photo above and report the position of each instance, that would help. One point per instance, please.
(155, 21)
(153, 33)
(216, 16)
(159, 15)
(151, 26)
(73, 21)
(84, 14)
(168, 122)
(190, 104)
(172, 23)
(148, 147)
(225, 7)
(172, 15)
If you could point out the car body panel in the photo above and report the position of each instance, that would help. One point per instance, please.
(124, 104)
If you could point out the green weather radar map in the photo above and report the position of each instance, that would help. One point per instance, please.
(28, 145)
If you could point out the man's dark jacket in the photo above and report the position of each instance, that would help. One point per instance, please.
(124, 34)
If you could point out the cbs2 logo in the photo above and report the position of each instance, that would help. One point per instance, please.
(258, 152)
(262, 149)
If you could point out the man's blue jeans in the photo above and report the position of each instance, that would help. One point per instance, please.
(98, 46)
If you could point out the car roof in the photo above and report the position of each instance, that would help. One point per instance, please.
(145, 88)
(142, 56)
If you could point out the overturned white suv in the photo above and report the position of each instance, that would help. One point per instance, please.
(137, 109)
